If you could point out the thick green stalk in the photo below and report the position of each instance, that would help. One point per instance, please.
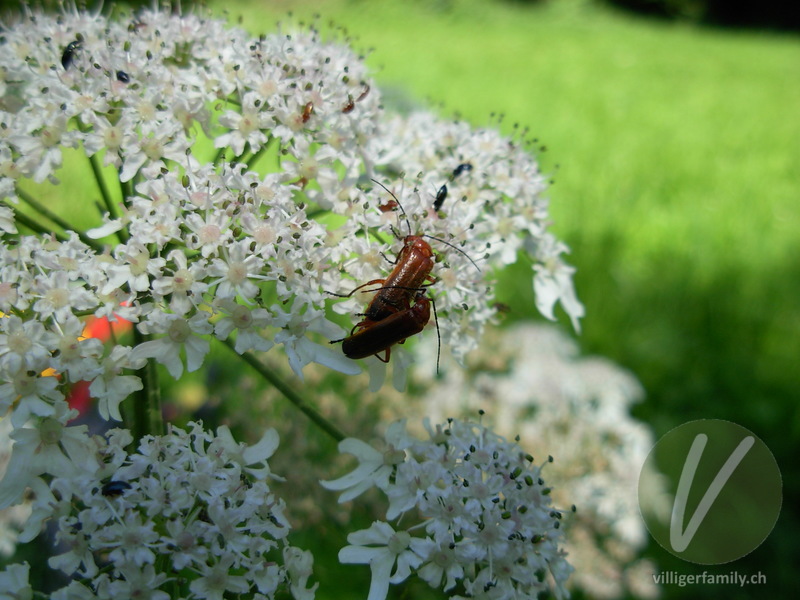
(101, 183)
(145, 415)
(289, 393)
(34, 225)
(48, 214)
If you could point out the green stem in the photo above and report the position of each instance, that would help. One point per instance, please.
(48, 214)
(313, 214)
(261, 151)
(101, 183)
(379, 237)
(110, 206)
(34, 225)
(219, 156)
(126, 190)
(154, 417)
(289, 393)
(139, 420)
(244, 157)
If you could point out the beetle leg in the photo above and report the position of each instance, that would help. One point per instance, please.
(363, 285)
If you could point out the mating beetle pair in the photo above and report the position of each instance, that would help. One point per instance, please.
(391, 318)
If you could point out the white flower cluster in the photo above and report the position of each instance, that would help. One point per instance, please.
(477, 517)
(542, 390)
(492, 209)
(13, 518)
(242, 203)
(246, 245)
(189, 515)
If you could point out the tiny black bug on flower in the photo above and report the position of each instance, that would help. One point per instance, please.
(441, 196)
(115, 488)
(123, 77)
(461, 169)
(69, 53)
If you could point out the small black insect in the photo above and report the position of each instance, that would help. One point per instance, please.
(115, 488)
(123, 77)
(463, 167)
(441, 196)
(69, 53)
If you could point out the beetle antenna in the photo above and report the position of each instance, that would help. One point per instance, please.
(454, 247)
(438, 335)
(405, 216)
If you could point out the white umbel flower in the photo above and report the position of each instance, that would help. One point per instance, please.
(549, 395)
(475, 512)
(175, 499)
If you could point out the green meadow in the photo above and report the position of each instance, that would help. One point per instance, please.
(675, 155)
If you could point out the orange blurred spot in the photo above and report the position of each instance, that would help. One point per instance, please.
(102, 328)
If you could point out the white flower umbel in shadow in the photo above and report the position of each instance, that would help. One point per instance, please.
(200, 503)
(386, 551)
(477, 517)
(542, 390)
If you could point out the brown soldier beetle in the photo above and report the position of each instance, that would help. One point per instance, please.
(390, 318)
(374, 337)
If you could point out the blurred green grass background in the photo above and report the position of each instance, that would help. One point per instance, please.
(675, 151)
